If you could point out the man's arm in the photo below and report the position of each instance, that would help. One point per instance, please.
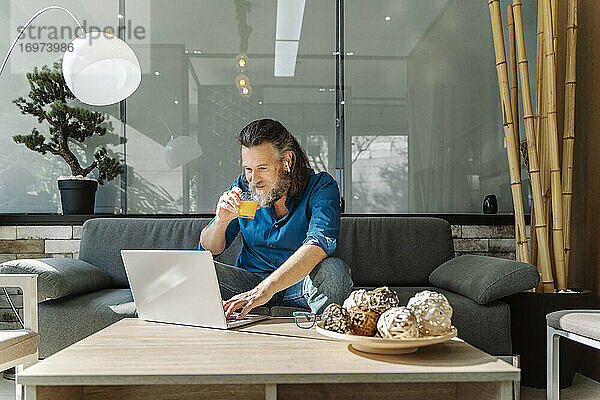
(292, 271)
(214, 236)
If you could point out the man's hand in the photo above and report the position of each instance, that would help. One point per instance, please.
(228, 206)
(246, 301)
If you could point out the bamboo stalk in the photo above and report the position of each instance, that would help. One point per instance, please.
(555, 179)
(569, 127)
(541, 227)
(533, 257)
(554, 8)
(543, 148)
(539, 62)
(532, 233)
(507, 118)
(514, 87)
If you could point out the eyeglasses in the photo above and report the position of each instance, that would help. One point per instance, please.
(305, 319)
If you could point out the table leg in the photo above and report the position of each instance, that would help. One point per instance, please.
(506, 390)
(484, 390)
(30, 392)
(270, 391)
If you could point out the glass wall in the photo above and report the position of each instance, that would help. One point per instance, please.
(189, 89)
(424, 117)
(28, 179)
(422, 122)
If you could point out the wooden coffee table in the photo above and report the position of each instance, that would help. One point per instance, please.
(135, 359)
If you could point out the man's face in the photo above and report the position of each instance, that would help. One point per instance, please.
(267, 178)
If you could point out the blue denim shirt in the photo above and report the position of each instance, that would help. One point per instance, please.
(267, 242)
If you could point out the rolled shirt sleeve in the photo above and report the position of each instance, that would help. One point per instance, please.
(325, 210)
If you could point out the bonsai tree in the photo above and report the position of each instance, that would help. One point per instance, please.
(47, 101)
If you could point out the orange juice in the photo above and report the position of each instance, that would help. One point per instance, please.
(248, 208)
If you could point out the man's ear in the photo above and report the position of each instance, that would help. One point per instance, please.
(289, 158)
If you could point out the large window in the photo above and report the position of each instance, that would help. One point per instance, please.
(415, 85)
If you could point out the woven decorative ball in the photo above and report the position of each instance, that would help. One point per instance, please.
(363, 323)
(382, 299)
(358, 298)
(432, 311)
(398, 323)
(335, 318)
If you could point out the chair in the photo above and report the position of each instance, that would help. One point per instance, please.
(19, 347)
(582, 326)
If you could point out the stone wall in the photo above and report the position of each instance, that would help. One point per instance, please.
(39, 242)
(487, 240)
(17, 242)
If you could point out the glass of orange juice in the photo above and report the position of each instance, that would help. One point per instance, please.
(248, 205)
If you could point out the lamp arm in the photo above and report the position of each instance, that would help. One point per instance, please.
(43, 10)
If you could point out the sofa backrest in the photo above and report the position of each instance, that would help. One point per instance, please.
(393, 251)
(103, 238)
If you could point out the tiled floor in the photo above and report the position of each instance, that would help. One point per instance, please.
(582, 389)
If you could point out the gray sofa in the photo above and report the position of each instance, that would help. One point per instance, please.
(80, 297)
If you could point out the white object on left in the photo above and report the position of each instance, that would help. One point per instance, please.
(100, 70)
(181, 150)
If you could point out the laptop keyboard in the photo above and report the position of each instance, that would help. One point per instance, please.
(233, 317)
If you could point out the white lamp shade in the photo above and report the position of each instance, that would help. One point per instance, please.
(181, 150)
(101, 69)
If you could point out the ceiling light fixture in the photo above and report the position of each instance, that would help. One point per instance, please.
(388, 18)
(285, 58)
(241, 80)
(290, 14)
(241, 61)
(246, 91)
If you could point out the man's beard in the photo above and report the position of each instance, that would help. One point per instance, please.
(276, 192)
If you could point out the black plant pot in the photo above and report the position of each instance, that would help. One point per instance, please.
(77, 195)
(528, 330)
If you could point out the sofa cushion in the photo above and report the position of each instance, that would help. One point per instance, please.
(65, 321)
(483, 278)
(474, 322)
(17, 343)
(396, 251)
(59, 277)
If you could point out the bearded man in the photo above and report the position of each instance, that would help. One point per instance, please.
(286, 257)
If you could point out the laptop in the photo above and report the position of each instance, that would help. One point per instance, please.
(178, 287)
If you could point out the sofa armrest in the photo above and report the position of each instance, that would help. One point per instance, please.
(59, 277)
(28, 284)
(484, 279)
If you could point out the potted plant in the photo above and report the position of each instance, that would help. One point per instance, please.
(551, 178)
(48, 101)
